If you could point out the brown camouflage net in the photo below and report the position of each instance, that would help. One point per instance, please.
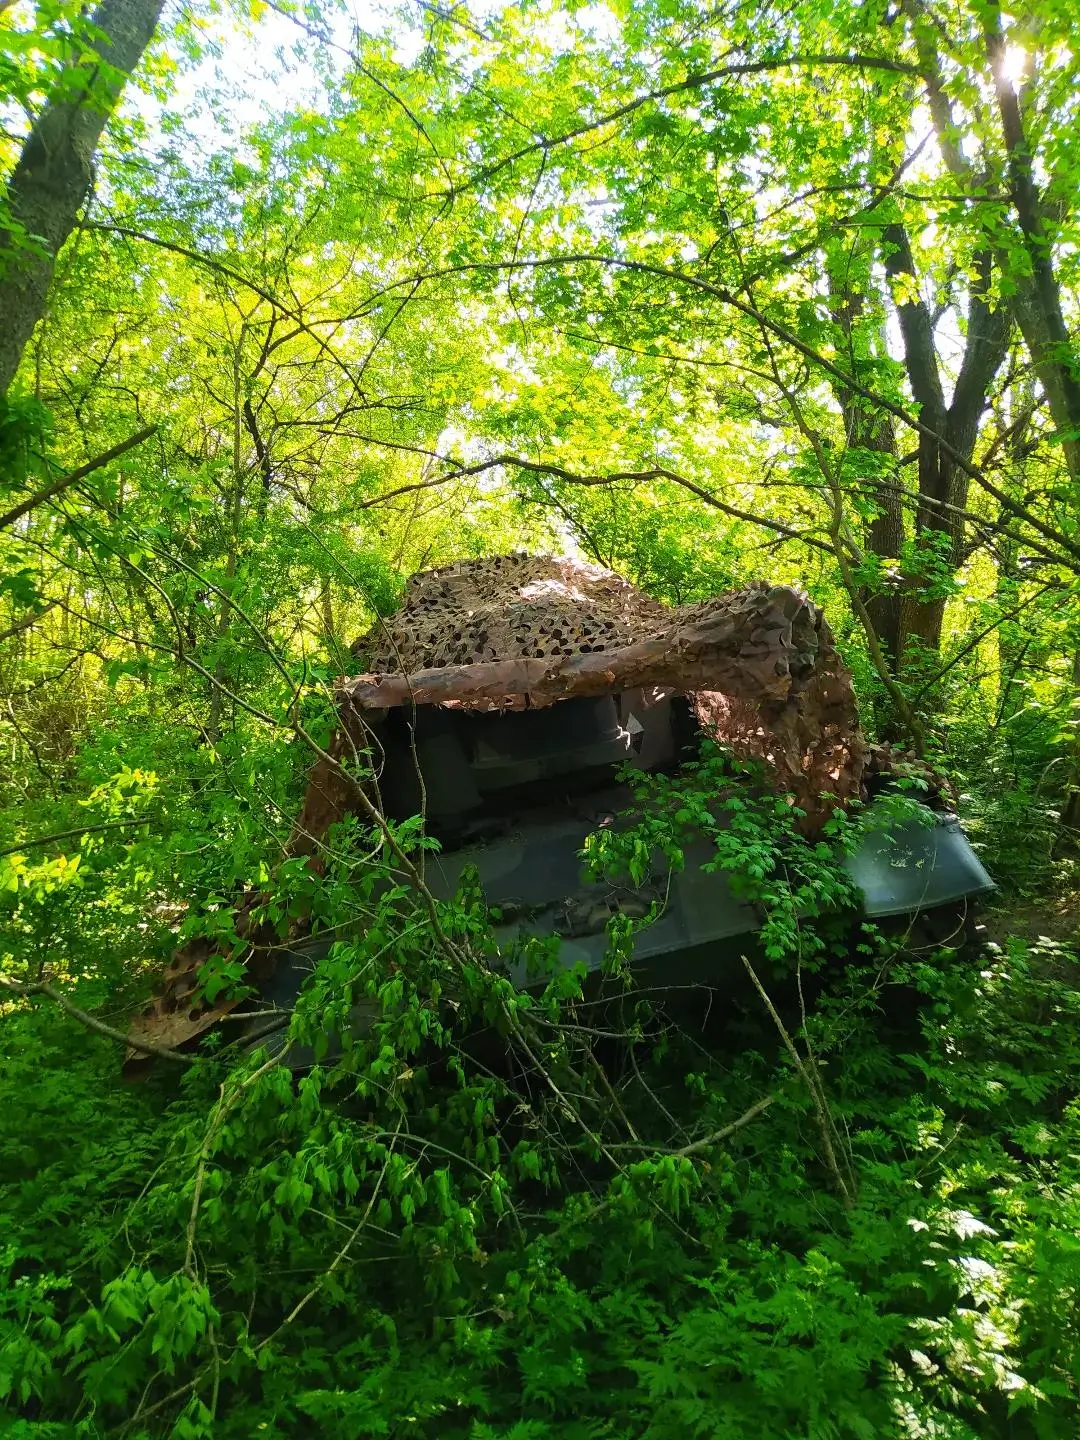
(509, 607)
(759, 666)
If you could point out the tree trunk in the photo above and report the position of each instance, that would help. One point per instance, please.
(1069, 823)
(943, 486)
(885, 536)
(867, 429)
(1010, 653)
(53, 174)
(1054, 375)
(1038, 301)
(921, 620)
(1041, 319)
(223, 677)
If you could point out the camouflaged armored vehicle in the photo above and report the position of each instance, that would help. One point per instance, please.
(502, 701)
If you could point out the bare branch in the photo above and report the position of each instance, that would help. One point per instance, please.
(58, 487)
(559, 472)
(145, 1047)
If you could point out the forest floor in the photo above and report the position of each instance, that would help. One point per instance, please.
(1054, 915)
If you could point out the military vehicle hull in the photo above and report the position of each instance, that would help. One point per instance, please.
(509, 699)
(918, 874)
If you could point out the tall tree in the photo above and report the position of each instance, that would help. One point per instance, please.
(942, 484)
(54, 172)
(1038, 302)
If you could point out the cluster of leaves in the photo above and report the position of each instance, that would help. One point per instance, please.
(756, 841)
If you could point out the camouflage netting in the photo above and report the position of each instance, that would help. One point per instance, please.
(510, 607)
(758, 665)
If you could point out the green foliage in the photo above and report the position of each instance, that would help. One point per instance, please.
(615, 280)
(756, 841)
(422, 1234)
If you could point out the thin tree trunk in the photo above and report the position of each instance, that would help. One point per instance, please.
(234, 520)
(1010, 653)
(326, 600)
(1014, 442)
(1069, 824)
(875, 431)
(54, 172)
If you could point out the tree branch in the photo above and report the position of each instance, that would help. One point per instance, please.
(782, 332)
(728, 1130)
(27, 622)
(680, 87)
(41, 840)
(559, 472)
(58, 487)
(145, 1047)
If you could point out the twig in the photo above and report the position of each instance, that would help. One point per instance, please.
(707, 1141)
(145, 1047)
(726, 1133)
(69, 835)
(200, 1179)
(609, 1089)
(270, 1028)
(339, 1259)
(224, 1105)
(27, 622)
(808, 1075)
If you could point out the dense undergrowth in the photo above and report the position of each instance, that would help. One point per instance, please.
(504, 1216)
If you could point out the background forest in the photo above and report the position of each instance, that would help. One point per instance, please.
(298, 300)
